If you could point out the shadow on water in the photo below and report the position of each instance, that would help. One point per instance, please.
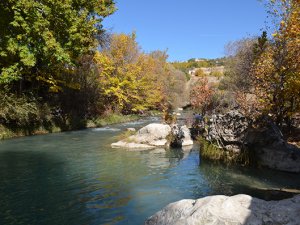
(77, 178)
(261, 183)
(34, 190)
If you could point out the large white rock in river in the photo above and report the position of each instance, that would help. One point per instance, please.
(150, 136)
(157, 135)
(235, 210)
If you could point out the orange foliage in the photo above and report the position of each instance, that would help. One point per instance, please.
(277, 68)
(201, 95)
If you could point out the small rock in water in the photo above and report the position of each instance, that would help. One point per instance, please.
(131, 129)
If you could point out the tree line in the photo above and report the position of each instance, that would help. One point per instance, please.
(193, 63)
(262, 74)
(58, 66)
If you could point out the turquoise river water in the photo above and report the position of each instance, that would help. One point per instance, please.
(76, 178)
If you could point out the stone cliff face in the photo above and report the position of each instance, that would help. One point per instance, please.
(232, 133)
(228, 130)
(271, 150)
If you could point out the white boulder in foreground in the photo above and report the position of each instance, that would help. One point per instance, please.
(235, 210)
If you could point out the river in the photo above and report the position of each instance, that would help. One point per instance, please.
(76, 178)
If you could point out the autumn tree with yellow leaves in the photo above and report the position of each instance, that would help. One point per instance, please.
(130, 80)
(41, 41)
(276, 69)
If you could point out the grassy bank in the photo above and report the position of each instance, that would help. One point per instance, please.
(111, 119)
(6, 132)
(212, 152)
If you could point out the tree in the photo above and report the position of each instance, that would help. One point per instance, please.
(129, 79)
(277, 68)
(40, 40)
(175, 87)
(201, 95)
(238, 66)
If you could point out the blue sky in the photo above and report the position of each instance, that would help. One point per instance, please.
(190, 28)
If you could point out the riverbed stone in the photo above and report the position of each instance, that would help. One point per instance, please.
(157, 135)
(150, 136)
(187, 140)
(235, 210)
(154, 134)
(153, 131)
(181, 136)
(131, 145)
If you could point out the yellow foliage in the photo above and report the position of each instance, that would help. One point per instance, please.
(277, 69)
(199, 73)
(127, 77)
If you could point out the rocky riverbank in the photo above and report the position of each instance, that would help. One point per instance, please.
(234, 137)
(7, 132)
(234, 210)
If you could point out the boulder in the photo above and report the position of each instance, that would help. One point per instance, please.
(235, 210)
(181, 136)
(271, 150)
(157, 135)
(265, 144)
(150, 136)
(228, 130)
(154, 134)
(131, 145)
(187, 140)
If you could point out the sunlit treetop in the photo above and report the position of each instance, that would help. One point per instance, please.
(40, 39)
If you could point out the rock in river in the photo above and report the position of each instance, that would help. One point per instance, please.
(264, 144)
(235, 210)
(150, 136)
(155, 135)
(271, 150)
(181, 136)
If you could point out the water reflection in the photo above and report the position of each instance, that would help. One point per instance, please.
(77, 178)
(34, 190)
(257, 182)
(106, 129)
(161, 158)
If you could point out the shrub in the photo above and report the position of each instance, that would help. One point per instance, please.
(216, 73)
(213, 152)
(20, 111)
(114, 118)
(199, 73)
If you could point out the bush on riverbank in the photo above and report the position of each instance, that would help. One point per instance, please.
(23, 115)
(212, 152)
(112, 119)
(126, 134)
(7, 132)
(94, 80)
